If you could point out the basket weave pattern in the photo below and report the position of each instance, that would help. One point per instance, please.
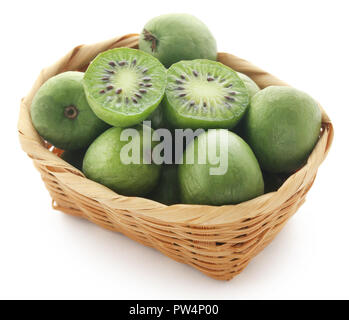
(218, 241)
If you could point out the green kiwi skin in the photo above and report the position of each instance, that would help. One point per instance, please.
(48, 113)
(251, 86)
(282, 126)
(167, 190)
(242, 181)
(102, 163)
(178, 37)
(157, 118)
(133, 116)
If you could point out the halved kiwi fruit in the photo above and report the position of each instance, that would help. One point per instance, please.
(124, 86)
(204, 94)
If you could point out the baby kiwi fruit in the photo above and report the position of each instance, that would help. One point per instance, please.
(204, 94)
(124, 86)
(61, 114)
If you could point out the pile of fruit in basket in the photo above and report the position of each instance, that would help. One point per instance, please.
(170, 123)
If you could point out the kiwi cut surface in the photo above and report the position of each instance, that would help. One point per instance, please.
(204, 94)
(124, 86)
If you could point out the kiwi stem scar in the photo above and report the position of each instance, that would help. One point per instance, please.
(150, 37)
(71, 112)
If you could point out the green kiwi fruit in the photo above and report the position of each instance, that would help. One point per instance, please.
(252, 89)
(241, 181)
(61, 114)
(251, 86)
(175, 37)
(204, 94)
(124, 86)
(103, 163)
(167, 190)
(157, 117)
(282, 126)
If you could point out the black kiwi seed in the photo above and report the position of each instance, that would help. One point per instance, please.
(195, 73)
(183, 76)
(191, 103)
(110, 87)
(138, 95)
(109, 71)
(146, 79)
(142, 91)
(106, 79)
(134, 100)
(179, 81)
(210, 78)
(145, 70)
(102, 91)
(179, 88)
(134, 61)
(182, 95)
(141, 84)
(118, 91)
(229, 98)
(228, 85)
(148, 85)
(122, 63)
(205, 104)
(112, 63)
(232, 93)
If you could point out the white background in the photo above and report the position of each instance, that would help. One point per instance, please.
(46, 254)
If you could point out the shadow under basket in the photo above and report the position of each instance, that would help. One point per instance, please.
(218, 241)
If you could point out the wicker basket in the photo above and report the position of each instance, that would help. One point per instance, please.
(218, 241)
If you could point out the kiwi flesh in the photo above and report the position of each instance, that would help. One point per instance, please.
(124, 86)
(204, 94)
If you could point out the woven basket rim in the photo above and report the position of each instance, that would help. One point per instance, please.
(200, 215)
